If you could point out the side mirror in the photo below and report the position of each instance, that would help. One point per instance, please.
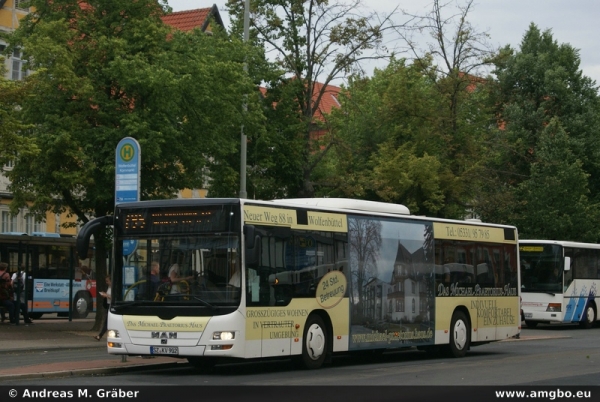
(82, 243)
(249, 236)
(253, 243)
(567, 264)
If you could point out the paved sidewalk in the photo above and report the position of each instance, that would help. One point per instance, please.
(52, 333)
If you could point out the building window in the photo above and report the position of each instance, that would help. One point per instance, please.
(31, 225)
(18, 71)
(9, 222)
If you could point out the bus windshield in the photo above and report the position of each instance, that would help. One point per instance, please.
(163, 263)
(541, 268)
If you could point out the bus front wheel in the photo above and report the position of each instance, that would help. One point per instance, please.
(589, 317)
(460, 334)
(314, 343)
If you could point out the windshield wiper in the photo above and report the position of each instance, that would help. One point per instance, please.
(207, 304)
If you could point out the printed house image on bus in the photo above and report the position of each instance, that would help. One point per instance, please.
(398, 297)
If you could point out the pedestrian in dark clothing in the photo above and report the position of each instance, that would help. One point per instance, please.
(106, 303)
(6, 294)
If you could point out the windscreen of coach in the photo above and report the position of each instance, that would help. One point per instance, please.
(186, 256)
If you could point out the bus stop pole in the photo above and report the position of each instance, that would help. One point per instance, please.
(71, 277)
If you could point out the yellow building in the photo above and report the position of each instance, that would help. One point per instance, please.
(10, 14)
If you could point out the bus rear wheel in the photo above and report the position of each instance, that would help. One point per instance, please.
(314, 343)
(589, 317)
(81, 305)
(460, 335)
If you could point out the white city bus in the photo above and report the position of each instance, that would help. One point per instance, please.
(318, 277)
(559, 281)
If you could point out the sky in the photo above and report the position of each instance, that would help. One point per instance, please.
(506, 21)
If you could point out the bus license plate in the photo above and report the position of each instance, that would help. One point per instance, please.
(528, 315)
(164, 350)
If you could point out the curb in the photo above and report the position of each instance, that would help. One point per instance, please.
(37, 349)
(89, 372)
(536, 338)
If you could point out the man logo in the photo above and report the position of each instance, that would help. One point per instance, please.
(163, 335)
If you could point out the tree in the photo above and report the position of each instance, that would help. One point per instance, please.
(539, 88)
(389, 144)
(413, 133)
(554, 200)
(105, 70)
(313, 42)
(456, 60)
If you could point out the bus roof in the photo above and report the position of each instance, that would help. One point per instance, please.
(37, 234)
(563, 243)
(348, 203)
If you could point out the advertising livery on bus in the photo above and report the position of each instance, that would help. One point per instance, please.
(55, 279)
(559, 282)
(304, 278)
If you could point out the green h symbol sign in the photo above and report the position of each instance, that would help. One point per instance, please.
(127, 152)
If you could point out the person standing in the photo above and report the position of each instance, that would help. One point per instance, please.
(151, 285)
(154, 277)
(18, 280)
(175, 278)
(6, 294)
(106, 303)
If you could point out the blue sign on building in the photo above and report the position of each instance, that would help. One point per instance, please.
(127, 171)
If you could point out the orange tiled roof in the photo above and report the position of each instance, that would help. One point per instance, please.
(329, 101)
(192, 19)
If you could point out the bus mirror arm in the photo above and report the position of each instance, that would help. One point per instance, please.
(249, 235)
(567, 264)
(253, 253)
(91, 227)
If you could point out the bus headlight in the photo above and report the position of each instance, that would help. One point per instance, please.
(112, 333)
(223, 336)
(553, 307)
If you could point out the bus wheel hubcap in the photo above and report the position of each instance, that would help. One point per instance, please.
(460, 334)
(315, 342)
(81, 305)
(590, 314)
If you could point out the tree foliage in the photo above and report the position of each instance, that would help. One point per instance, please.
(554, 200)
(389, 148)
(13, 132)
(312, 42)
(540, 94)
(105, 70)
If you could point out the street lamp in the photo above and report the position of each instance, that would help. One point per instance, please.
(243, 193)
